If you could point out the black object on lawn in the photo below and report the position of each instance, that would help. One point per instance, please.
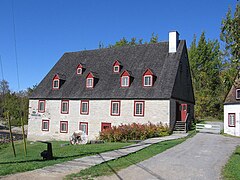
(47, 154)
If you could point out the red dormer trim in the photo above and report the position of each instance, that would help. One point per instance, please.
(116, 67)
(79, 69)
(90, 77)
(125, 74)
(56, 82)
(147, 73)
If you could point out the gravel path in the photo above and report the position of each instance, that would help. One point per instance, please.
(199, 158)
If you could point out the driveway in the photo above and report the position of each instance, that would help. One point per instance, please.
(201, 157)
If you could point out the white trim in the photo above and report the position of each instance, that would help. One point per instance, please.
(89, 85)
(127, 81)
(56, 87)
(144, 82)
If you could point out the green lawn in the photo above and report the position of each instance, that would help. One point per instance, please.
(232, 169)
(111, 167)
(9, 164)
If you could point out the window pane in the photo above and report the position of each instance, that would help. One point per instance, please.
(232, 119)
(84, 107)
(115, 108)
(79, 71)
(41, 106)
(89, 82)
(45, 125)
(138, 108)
(83, 127)
(124, 81)
(63, 127)
(64, 107)
(238, 94)
(55, 83)
(116, 68)
(147, 81)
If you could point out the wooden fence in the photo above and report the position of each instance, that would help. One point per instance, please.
(208, 128)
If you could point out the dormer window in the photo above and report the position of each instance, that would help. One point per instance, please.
(125, 79)
(238, 94)
(79, 69)
(58, 81)
(148, 78)
(90, 80)
(116, 67)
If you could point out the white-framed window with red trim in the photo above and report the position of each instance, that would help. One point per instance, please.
(65, 106)
(63, 126)
(125, 81)
(45, 125)
(116, 67)
(147, 80)
(139, 108)
(115, 108)
(41, 106)
(231, 119)
(83, 126)
(79, 69)
(84, 107)
(89, 82)
(237, 93)
(56, 83)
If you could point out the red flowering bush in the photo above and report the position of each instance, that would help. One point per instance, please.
(134, 131)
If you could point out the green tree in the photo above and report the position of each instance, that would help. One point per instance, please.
(230, 33)
(205, 62)
(154, 39)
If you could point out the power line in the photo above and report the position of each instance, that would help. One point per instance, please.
(15, 44)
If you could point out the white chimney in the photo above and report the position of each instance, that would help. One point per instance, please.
(173, 41)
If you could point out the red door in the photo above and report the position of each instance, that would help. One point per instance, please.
(105, 126)
(183, 110)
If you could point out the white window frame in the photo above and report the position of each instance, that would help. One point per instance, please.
(56, 87)
(114, 70)
(79, 70)
(136, 113)
(67, 106)
(89, 85)
(144, 81)
(123, 81)
(231, 119)
(118, 108)
(237, 90)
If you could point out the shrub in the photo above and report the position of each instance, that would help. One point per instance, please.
(134, 131)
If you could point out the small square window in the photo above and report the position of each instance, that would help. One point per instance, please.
(79, 70)
(84, 127)
(89, 83)
(41, 106)
(138, 108)
(238, 94)
(56, 84)
(105, 126)
(116, 69)
(63, 126)
(124, 81)
(84, 109)
(65, 107)
(231, 119)
(115, 108)
(45, 125)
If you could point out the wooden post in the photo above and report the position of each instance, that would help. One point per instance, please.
(11, 136)
(24, 140)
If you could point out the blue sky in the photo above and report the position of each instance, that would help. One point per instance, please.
(45, 29)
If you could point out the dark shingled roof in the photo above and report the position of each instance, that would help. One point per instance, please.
(231, 97)
(135, 59)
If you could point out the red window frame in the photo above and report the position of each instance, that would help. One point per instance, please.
(119, 108)
(63, 122)
(143, 107)
(105, 124)
(86, 126)
(65, 101)
(81, 105)
(45, 121)
(234, 115)
(237, 94)
(40, 101)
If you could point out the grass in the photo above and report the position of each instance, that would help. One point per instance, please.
(10, 164)
(111, 167)
(232, 169)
